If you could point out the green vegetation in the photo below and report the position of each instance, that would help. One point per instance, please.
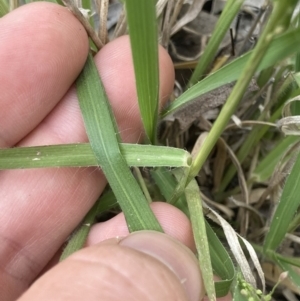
(256, 169)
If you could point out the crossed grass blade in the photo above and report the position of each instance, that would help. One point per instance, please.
(81, 155)
(103, 135)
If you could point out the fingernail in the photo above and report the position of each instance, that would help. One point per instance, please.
(177, 257)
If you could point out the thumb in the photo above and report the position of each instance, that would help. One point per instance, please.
(145, 265)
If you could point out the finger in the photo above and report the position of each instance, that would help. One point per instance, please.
(39, 60)
(47, 205)
(144, 266)
(173, 221)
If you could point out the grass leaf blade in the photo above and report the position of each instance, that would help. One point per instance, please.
(192, 194)
(141, 18)
(285, 211)
(231, 9)
(81, 155)
(221, 262)
(280, 48)
(102, 135)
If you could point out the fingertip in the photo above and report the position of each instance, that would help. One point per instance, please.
(43, 48)
(174, 223)
(177, 257)
(146, 265)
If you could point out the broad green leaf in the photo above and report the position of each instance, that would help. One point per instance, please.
(230, 10)
(141, 20)
(280, 48)
(81, 155)
(285, 211)
(103, 135)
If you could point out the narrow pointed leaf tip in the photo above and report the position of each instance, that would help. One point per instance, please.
(141, 18)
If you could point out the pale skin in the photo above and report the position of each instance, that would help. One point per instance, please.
(42, 50)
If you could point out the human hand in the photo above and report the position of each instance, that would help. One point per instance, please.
(42, 50)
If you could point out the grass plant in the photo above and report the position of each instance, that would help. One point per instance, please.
(269, 162)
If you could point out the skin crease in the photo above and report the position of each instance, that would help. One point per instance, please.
(38, 106)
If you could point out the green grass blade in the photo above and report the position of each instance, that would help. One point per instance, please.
(288, 90)
(141, 20)
(294, 223)
(88, 4)
(79, 237)
(220, 259)
(100, 127)
(294, 261)
(192, 194)
(167, 183)
(285, 211)
(273, 28)
(81, 155)
(292, 274)
(297, 61)
(266, 167)
(280, 48)
(182, 183)
(155, 156)
(234, 243)
(4, 9)
(221, 262)
(274, 256)
(231, 9)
